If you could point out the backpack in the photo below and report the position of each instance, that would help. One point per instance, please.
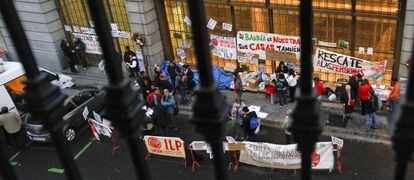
(280, 86)
(254, 123)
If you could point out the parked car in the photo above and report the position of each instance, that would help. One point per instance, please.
(74, 105)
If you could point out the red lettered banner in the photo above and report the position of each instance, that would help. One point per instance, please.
(165, 146)
(343, 64)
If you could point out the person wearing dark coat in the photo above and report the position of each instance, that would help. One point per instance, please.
(249, 133)
(157, 74)
(188, 72)
(174, 71)
(164, 84)
(69, 52)
(282, 68)
(160, 118)
(146, 88)
(80, 49)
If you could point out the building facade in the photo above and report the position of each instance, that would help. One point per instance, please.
(373, 30)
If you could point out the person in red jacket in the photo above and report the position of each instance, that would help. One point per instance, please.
(320, 90)
(154, 98)
(366, 93)
(270, 91)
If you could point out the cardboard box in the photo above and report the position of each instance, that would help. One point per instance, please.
(230, 67)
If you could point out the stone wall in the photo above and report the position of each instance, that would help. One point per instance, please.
(408, 38)
(44, 31)
(143, 19)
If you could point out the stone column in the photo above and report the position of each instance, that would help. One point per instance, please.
(143, 19)
(41, 22)
(408, 38)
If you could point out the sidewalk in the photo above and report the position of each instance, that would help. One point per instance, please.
(92, 76)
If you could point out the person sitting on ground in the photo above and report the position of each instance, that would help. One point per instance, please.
(144, 76)
(145, 88)
(249, 133)
(320, 89)
(12, 124)
(282, 68)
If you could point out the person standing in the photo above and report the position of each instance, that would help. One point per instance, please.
(366, 104)
(157, 74)
(238, 86)
(146, 88)
(69, 52)
(271, 91)
(174, 71)
(188, 72)
(281, 89)
(164, 84)
(154, 98)
(133, 66)
(247, 118)
(160, 119)
(282, 68)
(12, 124)
(183, 89)
(168, 104)
(292, 82)
(237, 113)
(80, 49)
(127, 60)
(286, 123)
(348, 101)
(320, 90)
(394, 95)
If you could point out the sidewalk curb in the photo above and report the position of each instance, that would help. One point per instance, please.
(359, 135)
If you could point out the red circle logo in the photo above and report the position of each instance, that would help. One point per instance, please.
(154, 142)
(316, 158)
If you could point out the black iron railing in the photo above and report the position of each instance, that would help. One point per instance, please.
(45, 101)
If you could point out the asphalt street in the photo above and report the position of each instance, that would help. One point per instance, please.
(361, 160)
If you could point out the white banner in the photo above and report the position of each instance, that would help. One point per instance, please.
(259, 43)
(165, 146)
(286, 156)
(343, 64)
(224, 47)
(91, 42)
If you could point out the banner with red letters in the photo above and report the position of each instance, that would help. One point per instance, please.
(165, 146)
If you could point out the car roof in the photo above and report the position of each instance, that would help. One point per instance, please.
(12, 71)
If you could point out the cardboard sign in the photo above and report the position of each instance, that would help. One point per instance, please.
(224, 47)
(91, 42)
(76, 29)
(211, 24)
(68, 28)
(181, 54)
(337, 141)
(289, 58)
(165, 146)
(343, 64)
(85, 30)
(187, 20)
(85, 113)
(286, 156)
(227, 26)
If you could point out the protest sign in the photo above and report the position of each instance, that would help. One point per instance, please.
(211, 24)
(227, 26)
(343, 64)
(181, 54)
(326, 44)
(85, 30)
(187, 20)
(91, 42)
(337, 141)
(287, 57)
(114, 27)
(68, 28)
(224, 47)
(286, 156)
(76, 29)
(85, 113)
(101, 128)
(165, 146)
(260, 43)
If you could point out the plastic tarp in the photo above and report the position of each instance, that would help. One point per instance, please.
(222, 78)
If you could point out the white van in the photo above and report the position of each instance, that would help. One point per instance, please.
(11, 84)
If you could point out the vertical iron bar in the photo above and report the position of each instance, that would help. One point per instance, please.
(122, 105)
(43, 100)
(306, 32)
(210, 107)
(403, 137)
(6, 170)
(306, 127)
(197, 12)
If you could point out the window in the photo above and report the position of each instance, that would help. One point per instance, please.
(378, 6)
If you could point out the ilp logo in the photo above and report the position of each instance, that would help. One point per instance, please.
(316, 159)
(154, 142)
